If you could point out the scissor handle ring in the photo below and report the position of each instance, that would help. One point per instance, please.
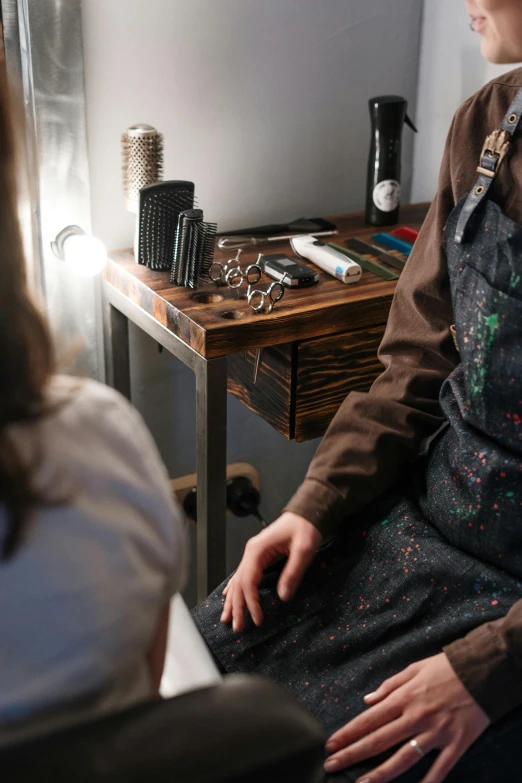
(280, 292)
(228, 266)
(232, 263)
(234, 275)
(253, 269)
(262, 300)
(216, 264)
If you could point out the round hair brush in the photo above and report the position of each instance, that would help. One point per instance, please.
(142, 153)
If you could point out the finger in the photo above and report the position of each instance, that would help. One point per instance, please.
(227, 588)
(443, 764)
(226, 615)
(251, 575)
(364, 724)
(238, 609)
(403, 760)
(383, 739)
(391, 684)
(298, 561)
(251, 592)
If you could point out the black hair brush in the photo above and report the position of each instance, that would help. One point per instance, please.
(193, 250)
(160, 207)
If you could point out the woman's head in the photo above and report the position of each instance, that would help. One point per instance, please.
(500, 24)
(25, 346)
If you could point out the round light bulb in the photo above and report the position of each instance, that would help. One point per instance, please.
(86, 255)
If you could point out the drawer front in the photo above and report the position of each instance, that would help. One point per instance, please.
(328, 369)
(271, 396)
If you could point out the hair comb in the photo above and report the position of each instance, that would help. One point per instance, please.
(194, 249)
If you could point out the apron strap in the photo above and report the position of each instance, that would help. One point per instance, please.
(494, 151)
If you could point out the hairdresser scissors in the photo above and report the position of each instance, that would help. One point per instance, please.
(218, 271)
(235, 278)
(264, 301)
(258, 302)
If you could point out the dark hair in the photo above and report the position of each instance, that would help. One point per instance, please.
(26, 356)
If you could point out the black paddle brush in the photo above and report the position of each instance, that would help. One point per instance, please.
(160, 208)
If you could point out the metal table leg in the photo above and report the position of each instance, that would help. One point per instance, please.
(211, 462)
(211, 424)
(117, 362)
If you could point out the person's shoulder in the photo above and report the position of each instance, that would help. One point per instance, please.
(83, 400)
(91, 430)
(100, 420)
(491, 102)
(511, 79)
(65, 390)
(91, 409)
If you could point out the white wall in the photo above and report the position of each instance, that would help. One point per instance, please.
(263, 104)
(451, 70)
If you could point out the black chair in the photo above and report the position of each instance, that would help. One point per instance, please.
(244, 729)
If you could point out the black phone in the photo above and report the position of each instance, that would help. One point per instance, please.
(291, 272)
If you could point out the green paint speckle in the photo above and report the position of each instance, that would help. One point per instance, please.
(491, 325)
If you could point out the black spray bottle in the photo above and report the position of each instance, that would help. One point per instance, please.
(388, 114)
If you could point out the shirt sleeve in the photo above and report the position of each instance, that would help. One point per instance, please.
(489, 663)
(374, 434)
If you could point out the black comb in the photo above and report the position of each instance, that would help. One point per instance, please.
(193, 250)
(160, 208)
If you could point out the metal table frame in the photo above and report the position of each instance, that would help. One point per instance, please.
(211, 423)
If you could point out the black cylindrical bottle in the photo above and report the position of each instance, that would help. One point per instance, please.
(383, 195)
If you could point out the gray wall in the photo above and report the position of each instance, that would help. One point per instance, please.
(263, 103)
(451, 69)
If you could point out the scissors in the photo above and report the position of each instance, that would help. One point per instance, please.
(235, 278)
(218, 271)
(258, 302)
(264, 301)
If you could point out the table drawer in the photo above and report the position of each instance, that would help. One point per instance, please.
(272, 396)
(328, 369)
(300, 386)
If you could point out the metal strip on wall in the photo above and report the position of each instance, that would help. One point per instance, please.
(44, 56)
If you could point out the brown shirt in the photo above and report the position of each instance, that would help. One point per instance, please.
(375, 435)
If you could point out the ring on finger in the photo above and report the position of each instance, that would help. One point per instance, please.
(415, 745)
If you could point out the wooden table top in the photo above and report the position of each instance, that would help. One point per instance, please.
(228, 325)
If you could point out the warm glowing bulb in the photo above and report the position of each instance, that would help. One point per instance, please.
(86, 255)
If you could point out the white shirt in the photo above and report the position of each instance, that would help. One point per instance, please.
(80, 599)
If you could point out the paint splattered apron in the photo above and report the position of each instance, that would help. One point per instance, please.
(441, 553)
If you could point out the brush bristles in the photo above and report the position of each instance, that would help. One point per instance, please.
(142, 163)
(159, 215)
(193, 252)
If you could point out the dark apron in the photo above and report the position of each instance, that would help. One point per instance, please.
(441, 553)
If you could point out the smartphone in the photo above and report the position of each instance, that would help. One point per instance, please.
(291, 272)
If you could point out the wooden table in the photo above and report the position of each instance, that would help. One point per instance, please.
(319, 344)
